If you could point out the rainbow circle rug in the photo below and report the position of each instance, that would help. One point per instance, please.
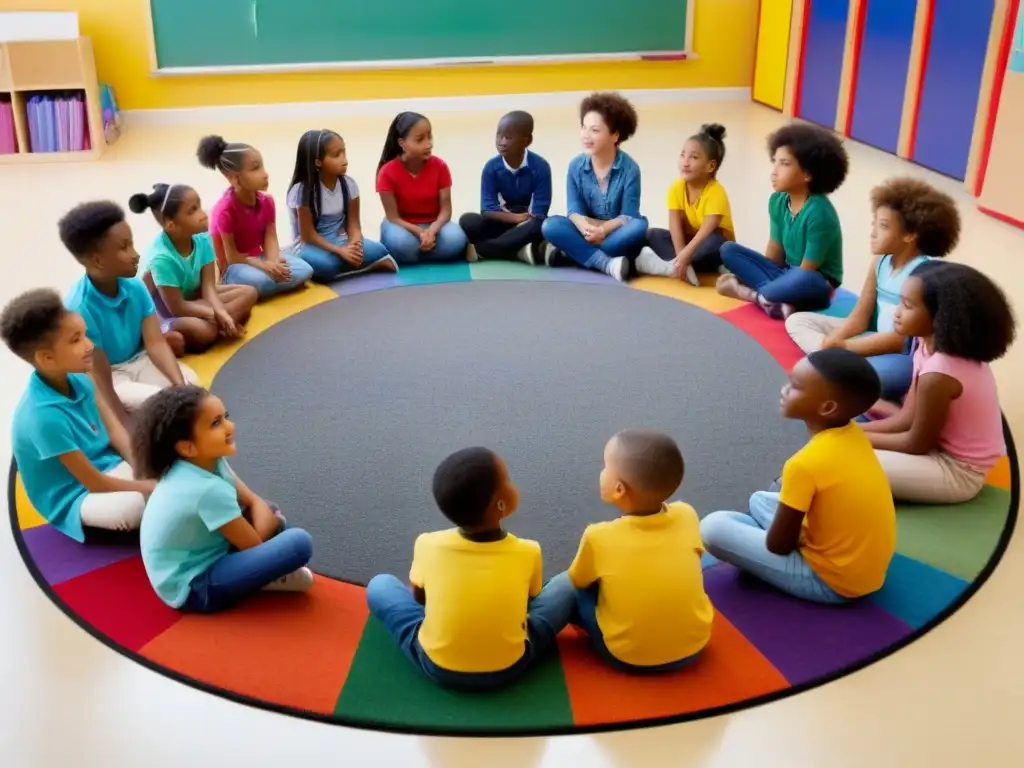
(333, 663)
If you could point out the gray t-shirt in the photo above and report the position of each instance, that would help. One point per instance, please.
(332, 206)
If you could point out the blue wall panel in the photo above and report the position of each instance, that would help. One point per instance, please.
(882, 72)
(823, 61)
(952, 79)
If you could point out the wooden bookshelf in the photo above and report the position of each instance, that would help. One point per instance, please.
(29, 67)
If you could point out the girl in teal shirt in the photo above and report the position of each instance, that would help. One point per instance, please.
(803, 264)
(180, 270)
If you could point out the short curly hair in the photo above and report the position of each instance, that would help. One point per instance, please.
(924, 211)
(971, 315)
(618, 113)
(465, 483)
(83, 228)
(818, 151)
(29, 321)
(166, 418)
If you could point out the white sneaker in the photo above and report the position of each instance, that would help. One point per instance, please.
(618, 268)
(297, 581)
(650, 263)
(525, 254)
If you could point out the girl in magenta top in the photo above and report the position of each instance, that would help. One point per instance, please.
(939, 446)
(416, 190)
(243, 223)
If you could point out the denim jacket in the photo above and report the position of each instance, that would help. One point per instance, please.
(622, 199)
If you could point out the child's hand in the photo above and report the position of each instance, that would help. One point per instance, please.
(206, 313)
(228, 328)
(356, 243)
(524, 217)
(428, 240)
(279, 270)
(594, 235)
(350, 255)
(833, 342)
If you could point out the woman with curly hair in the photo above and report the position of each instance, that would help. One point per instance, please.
(603, 229)
(803, 263)
(912, 222)
(939, 446)
(207, 540)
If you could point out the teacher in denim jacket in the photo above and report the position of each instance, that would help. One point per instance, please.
(604, 229)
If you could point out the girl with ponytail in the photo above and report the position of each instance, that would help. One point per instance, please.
(179, 270)
(699, 217)
(416, 190)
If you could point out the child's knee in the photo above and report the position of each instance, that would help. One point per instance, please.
(713, 529)
(301, 271)
(552, 226)
(130, 517)
(300, 545)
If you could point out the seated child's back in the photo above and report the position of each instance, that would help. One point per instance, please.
(651, 606)
(478, 592)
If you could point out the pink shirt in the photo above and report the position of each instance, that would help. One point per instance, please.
(247, 223)
(973, 433)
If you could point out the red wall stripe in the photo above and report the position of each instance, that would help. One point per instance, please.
(858, 40)
(1002, 61)
(926, 45)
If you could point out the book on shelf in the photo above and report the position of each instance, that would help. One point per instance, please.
(57, 122)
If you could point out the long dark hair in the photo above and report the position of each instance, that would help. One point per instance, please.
(164, 201)
(165, 419)
(399, 129)
(312, 147)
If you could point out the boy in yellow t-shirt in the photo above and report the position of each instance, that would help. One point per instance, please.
(699, 217)
(640, 594)
(829, 535)
(476, 615)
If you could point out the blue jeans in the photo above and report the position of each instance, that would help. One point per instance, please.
(241, 573)
(327, 266)
(586, 617)
(626, 241)
(393, 604)
(405, 247)
(739, 539)
(803, 289)
(896, 371)
(266, 286)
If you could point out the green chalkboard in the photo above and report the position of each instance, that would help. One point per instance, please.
(250, 33)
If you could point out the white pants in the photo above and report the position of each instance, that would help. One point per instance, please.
(932, 478)
(137, 379)
(118, 511)
(809, 329)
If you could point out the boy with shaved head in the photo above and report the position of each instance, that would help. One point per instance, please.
(640, 593)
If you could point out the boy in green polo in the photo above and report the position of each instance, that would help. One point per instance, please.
(803, 264)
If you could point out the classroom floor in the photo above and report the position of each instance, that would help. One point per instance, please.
(952, 698)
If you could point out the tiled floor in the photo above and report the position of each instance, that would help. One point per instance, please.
(953, 698)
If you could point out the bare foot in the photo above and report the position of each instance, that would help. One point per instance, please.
(730, 286)
(176, 342)
(471, 254)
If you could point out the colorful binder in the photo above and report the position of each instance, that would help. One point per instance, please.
(8, 135)
(57, 123)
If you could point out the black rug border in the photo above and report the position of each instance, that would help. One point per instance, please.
(514, 732)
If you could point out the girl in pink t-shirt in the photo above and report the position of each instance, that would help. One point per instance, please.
(243, 223)
(416, 190)
(938, 448)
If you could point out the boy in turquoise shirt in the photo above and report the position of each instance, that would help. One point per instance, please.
(803, 264)
(132, 359)
(71, 450)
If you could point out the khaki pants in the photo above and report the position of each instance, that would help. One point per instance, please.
(118, 511)
(809, 329)
(933, 478)
(137, 379)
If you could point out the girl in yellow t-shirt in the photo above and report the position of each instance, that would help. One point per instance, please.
(699, 218)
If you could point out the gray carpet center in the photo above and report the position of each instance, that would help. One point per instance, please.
(344, 410)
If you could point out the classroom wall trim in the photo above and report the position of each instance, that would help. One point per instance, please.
(427, 105)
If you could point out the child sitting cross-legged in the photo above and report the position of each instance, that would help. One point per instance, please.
(640, 594)
(913, 221)
(939, 446)
(207, 540)
(477, 615)
(829, 534)
(132, 359)
(71, 450)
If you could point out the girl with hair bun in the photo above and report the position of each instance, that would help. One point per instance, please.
(699, 217)
(243, 223)
(178, 268)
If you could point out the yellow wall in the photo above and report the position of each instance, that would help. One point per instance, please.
(724, 38)
(772, 52)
